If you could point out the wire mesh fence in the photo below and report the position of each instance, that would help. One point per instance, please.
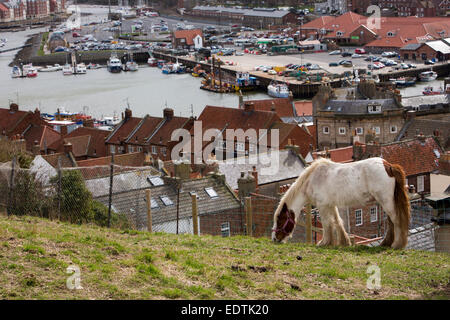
(141, 198)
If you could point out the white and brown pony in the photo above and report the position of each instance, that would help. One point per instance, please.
(328, 185)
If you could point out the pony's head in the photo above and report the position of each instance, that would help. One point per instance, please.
(284, 223)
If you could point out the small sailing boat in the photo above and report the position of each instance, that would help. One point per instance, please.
(130, 65)
(430, 91)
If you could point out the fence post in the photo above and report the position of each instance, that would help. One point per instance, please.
(194, 213)
(111, 178)
(308, 224)
(59, 188)
(148, 195)
(249, 215)
(11, 186)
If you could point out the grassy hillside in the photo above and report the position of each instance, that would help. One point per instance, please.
(35, 253)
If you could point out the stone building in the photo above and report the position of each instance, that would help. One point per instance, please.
(364, 114)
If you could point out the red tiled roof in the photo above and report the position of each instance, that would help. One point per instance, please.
(414, 155)
(3, 8)
(282, 107)
(189, 35)
(164, 133)
(135, 159)
(123, 130)
(341, 155)
(303, 108)
(146, 128)
(67, 160)
(44, 135)
(8, 119)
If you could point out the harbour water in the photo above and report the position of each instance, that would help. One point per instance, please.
(101, 93)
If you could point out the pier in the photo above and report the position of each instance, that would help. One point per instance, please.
(15, 48)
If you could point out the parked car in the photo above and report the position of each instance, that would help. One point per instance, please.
(346, 54)
(356, 56)
(429, 62)
(335, 52)
(76, 34)
(360, 51)
(333, 64)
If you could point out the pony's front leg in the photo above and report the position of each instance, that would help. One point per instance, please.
(327, 235)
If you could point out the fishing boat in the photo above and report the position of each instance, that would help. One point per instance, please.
(245, 82)
(130, 65)
(49, 69)
(170, 68)
(80, 68)
(404, 81)
(67, 70)
(114, 64)
(32, 73)
(16, 72)
(93, 66)
(152, 62)
(428, 76)
(430, 91)
(278, 90)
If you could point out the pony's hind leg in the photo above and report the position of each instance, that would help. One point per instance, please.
(389, 237)
(342, 238)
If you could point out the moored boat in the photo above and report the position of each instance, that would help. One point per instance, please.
(32, 73)
(278, 90)
(430, 91)
(67, 70)
(80, 68)
(152, 62)
(114, 64)
(428, 76)
(404, 81)
(16, 72)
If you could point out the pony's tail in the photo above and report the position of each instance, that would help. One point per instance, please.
(401, 199)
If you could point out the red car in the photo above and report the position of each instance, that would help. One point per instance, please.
(360, 51)
(76, 35)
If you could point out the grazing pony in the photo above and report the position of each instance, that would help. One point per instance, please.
(328, 185)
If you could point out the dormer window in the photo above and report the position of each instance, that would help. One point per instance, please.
(340, 34)
(374, 108)
(391, 34)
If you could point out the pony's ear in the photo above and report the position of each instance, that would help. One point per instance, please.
(285, 209)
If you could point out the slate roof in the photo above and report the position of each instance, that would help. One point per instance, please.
(359, 106)
(421, 238)
(133, 203)
(289, 166)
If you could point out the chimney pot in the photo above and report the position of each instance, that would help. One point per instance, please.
(13, 107)
(68, 148)
(168, 113)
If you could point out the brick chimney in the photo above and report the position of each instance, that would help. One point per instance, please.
(88, 123)
(68, 148)
(249, 106)
(13, 107)
(291, 146)
(63, 130)
(182, 169)
(246, 185)
(168, 114)
(36, 149)
(128, 114)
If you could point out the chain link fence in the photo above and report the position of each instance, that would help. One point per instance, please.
(141, 198)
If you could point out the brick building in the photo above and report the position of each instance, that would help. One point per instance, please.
(188, 39)
(151, 135)
(340, 121)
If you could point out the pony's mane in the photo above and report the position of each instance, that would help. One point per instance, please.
(297, 185)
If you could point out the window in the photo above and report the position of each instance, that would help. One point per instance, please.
(376, 130)
(359, 131)
(139, 149)
(225, 229)
(326, 130)
(420, 183)
(240, 146)
(373, 214)
(211, 192)
(372, 108)
(155, 181)
(164, 151)
(358, 217)
(393, 129)
(166, 200)
(130, 149)
(154, 150)
(120, 149)
(342, 130)
(153, 204)
(112, 149)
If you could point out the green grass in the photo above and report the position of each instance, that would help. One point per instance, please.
(116, 264)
